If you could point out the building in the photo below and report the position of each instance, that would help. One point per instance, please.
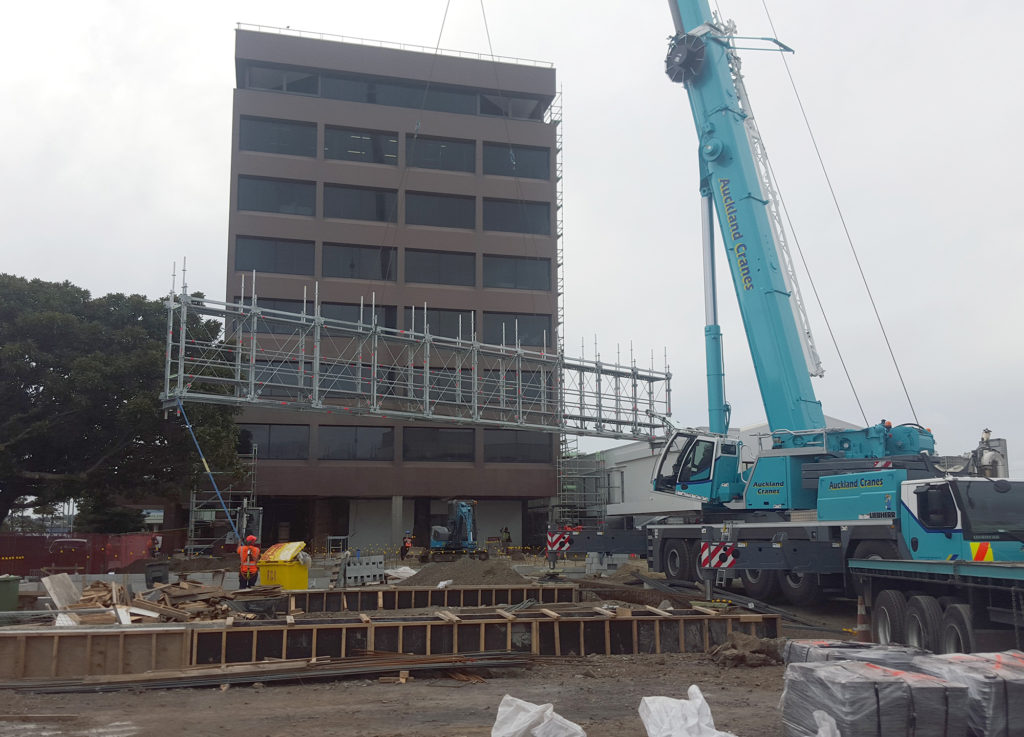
(412, 188)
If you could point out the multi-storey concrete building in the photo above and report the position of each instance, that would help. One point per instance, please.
(417, 189)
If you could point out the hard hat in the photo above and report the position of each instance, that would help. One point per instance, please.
(408, 532)
(251, 539)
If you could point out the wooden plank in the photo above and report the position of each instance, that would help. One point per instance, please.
(164, 611)
(507, 615)
(549, 613)
(603, 612)
(655, 610)
(705, 610)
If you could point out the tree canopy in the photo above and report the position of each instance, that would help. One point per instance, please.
(80, 413)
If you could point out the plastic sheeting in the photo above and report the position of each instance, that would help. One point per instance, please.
(867, 700)
(995, 687)
(518, 718)
(819, 651)
(667, 717)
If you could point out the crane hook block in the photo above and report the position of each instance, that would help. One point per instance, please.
(685, 58)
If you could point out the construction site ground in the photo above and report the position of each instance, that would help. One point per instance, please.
(601, 693)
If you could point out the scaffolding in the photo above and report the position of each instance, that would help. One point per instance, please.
(214, 516)
(243, 354)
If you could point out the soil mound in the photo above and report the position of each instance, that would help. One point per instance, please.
(466, 572)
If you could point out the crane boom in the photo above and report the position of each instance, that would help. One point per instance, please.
(734, 174)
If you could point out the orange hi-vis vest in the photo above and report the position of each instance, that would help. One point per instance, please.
(248, 554)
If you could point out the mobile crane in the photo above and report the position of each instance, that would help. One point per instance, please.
(818, 497)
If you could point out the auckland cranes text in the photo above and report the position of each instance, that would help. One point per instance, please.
(738, 248)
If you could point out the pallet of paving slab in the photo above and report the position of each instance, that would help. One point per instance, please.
(416, 597)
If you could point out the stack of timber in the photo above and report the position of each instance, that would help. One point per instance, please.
(187, 601)
(103, 602)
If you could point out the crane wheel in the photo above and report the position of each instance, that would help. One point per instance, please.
(800, 589)
(888, 615)
(677, 563)
(957, 630)
(762, 585)
(923, 623)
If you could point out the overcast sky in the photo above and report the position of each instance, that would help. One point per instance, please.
(116, 118)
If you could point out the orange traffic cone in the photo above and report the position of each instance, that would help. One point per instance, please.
(863, 628)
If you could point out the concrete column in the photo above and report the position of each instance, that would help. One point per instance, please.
(397, 530)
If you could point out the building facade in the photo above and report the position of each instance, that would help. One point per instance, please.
(411, 188)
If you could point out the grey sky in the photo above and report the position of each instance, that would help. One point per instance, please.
(116, 120)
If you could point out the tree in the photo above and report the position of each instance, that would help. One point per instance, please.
(80, 413)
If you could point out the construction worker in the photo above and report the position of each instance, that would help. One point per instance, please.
(506, 540)
(406, 544)
(249, 556)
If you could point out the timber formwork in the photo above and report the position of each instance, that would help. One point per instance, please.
(66, 652)
(409, 597)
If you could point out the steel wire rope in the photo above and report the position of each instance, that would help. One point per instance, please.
(846, 230)
(517, 181)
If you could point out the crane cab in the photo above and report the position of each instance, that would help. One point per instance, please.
(700, 466)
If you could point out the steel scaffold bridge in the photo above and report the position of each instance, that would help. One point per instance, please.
(304, 361)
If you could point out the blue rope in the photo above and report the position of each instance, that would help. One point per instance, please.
(181, 408)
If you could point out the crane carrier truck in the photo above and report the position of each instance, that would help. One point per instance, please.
(821, 503)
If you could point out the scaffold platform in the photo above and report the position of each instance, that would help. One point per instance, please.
(243, 354)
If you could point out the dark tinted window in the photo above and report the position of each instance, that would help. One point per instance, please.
(277, 136)
(350, 144)
(281, 379)
(512, 106)
(399, 93)
(532, 329)
(387, 315)
(513, 272)
(440, 267)
(281, 442)
(437, 444)
(517, 161)
(446, 385)
(284, 80)
(276, 195)
(356, 443)
(443, 323)
(360, 203)
(443, 210)
(516, 216)
(440, 153)
(517, 446)
(274, 256)
(506, 388)
(359, 262)
(266, 322)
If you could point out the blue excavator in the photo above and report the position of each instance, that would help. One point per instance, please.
(458, 538)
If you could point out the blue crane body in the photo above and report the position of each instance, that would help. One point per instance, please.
(867, 492)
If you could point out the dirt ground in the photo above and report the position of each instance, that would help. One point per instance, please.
(601, 693)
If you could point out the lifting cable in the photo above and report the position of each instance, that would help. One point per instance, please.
(846, 230)
(506, 114)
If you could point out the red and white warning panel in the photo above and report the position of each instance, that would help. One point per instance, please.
(559, 541)
(717, 555)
